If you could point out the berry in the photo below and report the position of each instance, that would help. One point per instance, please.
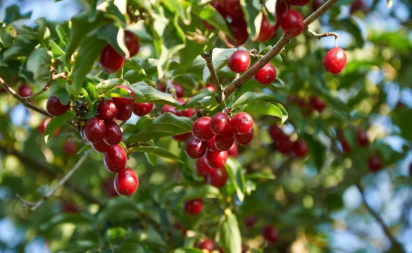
(358, 5)
(241, 123)
(244, 139)
(233, 8)
(275, 133)
(94, 130)
(207, 244)
(317, 103)
(185, 112)
(123, 101)
(108, 187)
(225, 141)
(132, 43)
(266, 30)
(211, 145)
(285, 145)
(115, 159)
(219, 6)
(181, 137)
(345, 146)
(239, 61)
(124, 112)
(42, 127)
(110, 60)
(270, 234)
(217, 178)
(233, 151)
(239, 31)
(201, 129)
(113, 134)
(193, 207)
(195, 148)
(362, 138)
(107, 110)
(375, 164)
(169, 108)
(220, 124)
(300, 148)
(55, 108)
(291, 23)
(335, 60)
(142, 109)
(216, 160)
(250, 221)
(126, 182)
(266, 75)
(210, 87)
(69, 148)
(281, 7)
(100, 147)
(316, 4)
(25, 91)
(70, 208)
(179, 90)
(202, 168)
(299, 2)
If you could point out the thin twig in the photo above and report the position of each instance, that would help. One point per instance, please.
(53, 77)
(215, 80)
(321, 35)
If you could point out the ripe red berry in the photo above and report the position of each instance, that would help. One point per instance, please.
(357, 5)
(219, 6)
(94, 130)
(217, 178)
(250, 221)
(201, 129)
(285, 145)
(179, 90)
(266, 75)
(69, 148)
(270, 234)
(225, 141)
(25, 91)
(239, 61)
(169, 108)
(55, 108)
(195, 148)
(107, 110)
(316, 4)
(70, 208)
(241, 123)
(211, 145)
(281, 7)
(291, 23)
(115, 159)
(220, 123)
(239, 31)
(275, 133)
(362, 138)
(193, 207)
(317, 103)
(123, 101)
(300, 148)
(185, 112)
(375, 163)
(100, 147)
(207, 244)
(126, 182)
(124, 112)
(181, 137)
(266, 30)
(210, 87)
(233, 151)
(233, 8)
(132, 43)
(202, 168)
(299, 2)
(142, 109)
(113, 134)
(335, 60)
(216, 160)
(110, 60)
(244, 139)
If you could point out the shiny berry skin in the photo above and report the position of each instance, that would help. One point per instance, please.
(266, 75)
(362, 138)
(126, 182)
(193, 207)
(110, 60)
(124, 112)
(115, 159)
(250, 221)
(291, 23)
(281, 7)
(335, 60)
(211, 145)
(241, 123)
(195, 148)
(210, 87)
(181, 137)
(233, 150)
(300, 148)
(244, 139)
(239, 61)
(217, 178)
(142, 109)
(113, 133)
(202, 168)
(316, 4)
(122, 101)
(107, 110)
(299, 2)
(233, 8)
(358, 5)
(25, 91)
(207, 244)
(55, 108)
(239, 31)
(275, 133)
(100, 147)
(225, 141)
(169, 108)
(266, 30)
(317, 103)
(201, 129)
(375, 163)
(94, 130)
(216, 160)
(69, 148)
(220, 123)
(132, 43)
(270, 234)
(179, 90)
(285, 145)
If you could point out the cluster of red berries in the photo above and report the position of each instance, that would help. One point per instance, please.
(285, 145)
(314, 103)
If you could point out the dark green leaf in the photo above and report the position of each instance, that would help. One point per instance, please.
(39, 62)
(158, 151)
(249, 96)
(200, 192)
(230, 238)
(148, 94)
(234, 170)
(57, 122)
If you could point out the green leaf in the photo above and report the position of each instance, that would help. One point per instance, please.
(148, 237)
(84, 149)
(62, 95)
(22, 46)
(261, 107)
(352, 27)
(114, 234)
(176, 7)
(63, 31)
(13, 14)
(249, 97)
(60, 218)
(260, 175)
(6, 37)
(118, 92)
(55, 49)
(151, 158)
(39, 62)
(114, 36)
(106, 85)
(230, 238)
(189, 53)
(209, 14)
(57, 122)
(148, 94)
(200, 192)
(158, 151)
(204, 100)
(234, 170)
(187, 250)
(316, 149)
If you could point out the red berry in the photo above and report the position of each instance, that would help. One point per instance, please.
(358, 5)
(181, 137)
(316, 4)
(142, 109)
(115, 159)
(317, 103)
(266, 30)
(195, 148)
(179, 90)
(250, 221)
(299, 2)
(69, 148)
(220, 124)
(335, 60)
(123, 101)
(233, 8)
(202, 168)
(270, 234)
(217, 178)
(70, 208)
(201, 129)
(225, 141)
(126, 182)
(132, 43)
(42, 127)
(110, 60)
(292, 23)
(241, 123)
(107, 110)
(55, 108)
(239, 31)
(169, 108)
(211, 145)
(285, 145)
(281, 7)
(345, 146)
(362, 138)
(233, 151)
(239, 61)
(193, 207)
(185, 112)
(208, 25)
(244, 139)
(275, 133)
(300, 148)
(375, 163)
(219, 6)
(100, 147)
(94, 130)
(124, 112)
(207, 244)
(25, 91)
(161, 86)
(266, 75)
(108, 187)
(210, 87)
(113, 133)
(216, 160)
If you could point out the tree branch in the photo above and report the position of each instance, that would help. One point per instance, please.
(53, 77)
(215, 80)
(321, 35)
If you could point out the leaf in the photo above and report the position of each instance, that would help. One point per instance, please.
(260, 175)
(316, 149)
(22, 46)
(230, 238)
(261, 107)
(148, 237)
(38, 63)
(55, 49)
(60, 218)
(187, 250)
(57, 122)
(189, 53)
(209, 14)
(204, 100)
(352, 27)
(200, 192)
(234, 170)
(6, 37)
(62, 95)
(176, 7)
(114, 36)
(148, 94)
(13, 14)
(114, 234)
(84, 149)
(249, 97)
(106, 85)
(158, 151)
(63, 31)
(151, 158)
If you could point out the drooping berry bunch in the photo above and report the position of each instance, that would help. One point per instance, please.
(285, 145)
